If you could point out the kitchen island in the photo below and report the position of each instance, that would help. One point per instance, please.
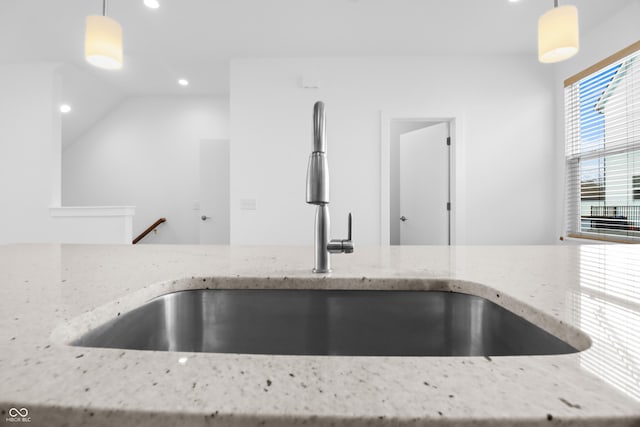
(588, 296)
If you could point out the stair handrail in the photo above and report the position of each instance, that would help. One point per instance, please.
(149, 230)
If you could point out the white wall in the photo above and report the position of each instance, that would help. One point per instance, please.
(29, 141)
(610, 36)
(507, 104)
(145, 154)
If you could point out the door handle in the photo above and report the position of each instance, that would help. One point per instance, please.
(204, 217)
(403, 218)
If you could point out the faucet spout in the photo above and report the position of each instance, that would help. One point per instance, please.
(319, 128)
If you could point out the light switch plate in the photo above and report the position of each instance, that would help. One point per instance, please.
(309, 82)
(248, 204)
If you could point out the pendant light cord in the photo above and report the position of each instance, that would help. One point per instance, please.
(104, 7)
(555, 3)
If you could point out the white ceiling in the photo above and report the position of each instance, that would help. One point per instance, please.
(197, 38)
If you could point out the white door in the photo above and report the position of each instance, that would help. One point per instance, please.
(424, 186)
(214, 192)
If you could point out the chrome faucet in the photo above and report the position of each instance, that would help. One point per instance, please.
(318, 194)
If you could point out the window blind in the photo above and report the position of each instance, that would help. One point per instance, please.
(602, 124)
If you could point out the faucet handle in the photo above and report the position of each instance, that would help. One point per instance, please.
(338, 246)
(347, 245)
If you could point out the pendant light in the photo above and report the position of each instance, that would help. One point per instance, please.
(558, 34)
(103, 41)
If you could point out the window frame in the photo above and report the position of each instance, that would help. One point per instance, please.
(574, 184)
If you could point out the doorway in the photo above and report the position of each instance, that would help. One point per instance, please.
(431, 190)
(213, 214)
(419, 182)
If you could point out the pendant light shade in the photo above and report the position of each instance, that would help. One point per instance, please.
(558, 37)
(103, 42)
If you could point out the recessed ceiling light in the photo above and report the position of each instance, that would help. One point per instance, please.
(183, 82)
(514, 1)
(152, 4)
(65, 108)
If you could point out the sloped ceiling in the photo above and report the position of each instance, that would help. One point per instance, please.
(91, 99)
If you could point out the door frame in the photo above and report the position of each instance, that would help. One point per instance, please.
(457, 177)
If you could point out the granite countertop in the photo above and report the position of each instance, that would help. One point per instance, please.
(587, 295)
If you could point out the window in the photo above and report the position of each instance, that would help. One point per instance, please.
(602, 117)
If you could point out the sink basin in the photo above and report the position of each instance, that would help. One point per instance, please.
(325, 322)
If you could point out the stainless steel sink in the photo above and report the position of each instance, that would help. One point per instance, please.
(323, 322)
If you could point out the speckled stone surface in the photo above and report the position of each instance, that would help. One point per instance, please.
(587, 295)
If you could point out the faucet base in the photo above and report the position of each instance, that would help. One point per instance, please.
(322, 257)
